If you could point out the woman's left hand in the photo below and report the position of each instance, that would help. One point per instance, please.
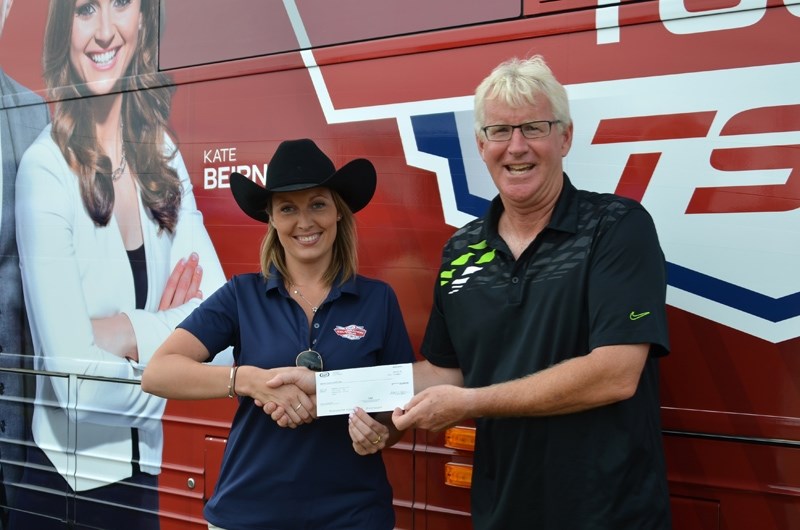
(183, 283)
(369, 435)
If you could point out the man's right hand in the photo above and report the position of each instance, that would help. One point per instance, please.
(302, 378)
(183, 283)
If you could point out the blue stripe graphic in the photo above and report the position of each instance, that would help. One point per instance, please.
(757, 304)
(437, 134)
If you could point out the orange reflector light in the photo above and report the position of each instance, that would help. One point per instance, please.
(460, 438)
(458, 475)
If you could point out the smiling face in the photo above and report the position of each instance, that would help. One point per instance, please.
(105, 35)
(525, 172)
(306, 224)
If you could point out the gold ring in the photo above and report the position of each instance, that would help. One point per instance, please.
(298, 407)
(376, 442)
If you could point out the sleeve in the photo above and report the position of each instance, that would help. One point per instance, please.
(190, 235)
(216, 322)
(47, 203)
(627, 285)
(437, 345)
(397, 347)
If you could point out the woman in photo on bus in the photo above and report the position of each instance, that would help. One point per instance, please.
(307, 308)
(109, 240)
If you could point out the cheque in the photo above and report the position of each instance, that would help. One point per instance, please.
(374, 389)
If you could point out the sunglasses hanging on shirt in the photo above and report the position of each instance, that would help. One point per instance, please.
(309, 359)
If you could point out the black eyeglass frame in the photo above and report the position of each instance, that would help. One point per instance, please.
(310, 359)
(549, 123)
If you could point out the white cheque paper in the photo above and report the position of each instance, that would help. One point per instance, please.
(374, 389)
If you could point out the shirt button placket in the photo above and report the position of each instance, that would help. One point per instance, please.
(515, 291)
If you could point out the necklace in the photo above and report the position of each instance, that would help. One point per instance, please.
(117, 173)
(313, 307)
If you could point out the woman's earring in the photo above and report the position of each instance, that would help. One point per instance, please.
(339, 218)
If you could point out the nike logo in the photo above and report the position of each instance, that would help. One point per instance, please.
(637, 316)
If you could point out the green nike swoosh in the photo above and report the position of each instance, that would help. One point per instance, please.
(637, 316)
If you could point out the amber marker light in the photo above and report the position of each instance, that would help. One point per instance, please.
(458, 475)
(458, 437)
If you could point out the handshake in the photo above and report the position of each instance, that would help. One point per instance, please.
(289, 397)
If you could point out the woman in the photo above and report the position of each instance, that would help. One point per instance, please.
(105, 209)
(329, 473)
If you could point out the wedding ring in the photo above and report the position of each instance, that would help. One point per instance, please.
(298, 407)
(376, 442)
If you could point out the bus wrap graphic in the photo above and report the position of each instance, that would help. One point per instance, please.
(712, 154)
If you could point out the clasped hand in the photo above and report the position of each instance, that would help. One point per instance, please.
(287, 408)
(289, 398)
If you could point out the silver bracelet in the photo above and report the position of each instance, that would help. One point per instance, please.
(232, 382)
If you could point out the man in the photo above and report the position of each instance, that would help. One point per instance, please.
(547, 325)
(22, 117)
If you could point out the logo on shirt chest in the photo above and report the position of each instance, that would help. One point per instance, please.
(460, 270)
(351, 332)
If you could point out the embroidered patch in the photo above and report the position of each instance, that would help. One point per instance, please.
(351, 332)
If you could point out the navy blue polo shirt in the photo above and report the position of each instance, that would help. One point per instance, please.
(595, 276)
(308, 477)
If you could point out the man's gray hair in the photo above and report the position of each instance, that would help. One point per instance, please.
(516, 82)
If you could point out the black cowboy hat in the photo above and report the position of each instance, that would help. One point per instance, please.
(299, 165)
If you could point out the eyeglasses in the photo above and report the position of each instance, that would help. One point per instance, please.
(309, 359)
(530, 130)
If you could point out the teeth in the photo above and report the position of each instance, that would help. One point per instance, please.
(518, 168)
(307, 239)
(103, 58)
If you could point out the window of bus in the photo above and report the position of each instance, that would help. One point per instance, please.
(196, 32)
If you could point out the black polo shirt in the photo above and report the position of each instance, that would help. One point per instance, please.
(595, 276)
